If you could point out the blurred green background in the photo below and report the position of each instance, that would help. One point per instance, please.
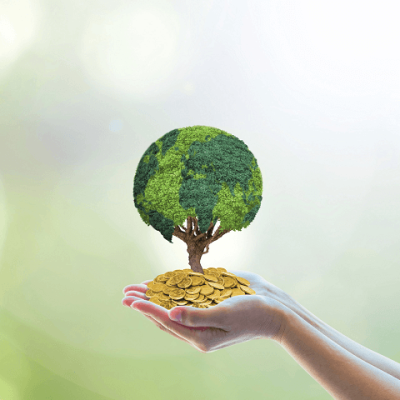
(85, 87)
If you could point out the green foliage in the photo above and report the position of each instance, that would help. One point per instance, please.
(201, 172)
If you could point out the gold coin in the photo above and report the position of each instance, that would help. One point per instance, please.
(162, 297)
(167, 289)
(177, 294)
(247, 290)
(150, 284)
(190, 297)
(197, 290)
(179, 302)
(185, 283)
(214, 295)
(228, 274)
(206, 290)
(193, 290)
(197, 280)
(176, 278)
(170, 282)
(161, 278)
(226, 293)
(211, 278)
(229, 282)
(180, 277)
(216, 285)
(237, 292)
(199, 299)
(215, 273)
(176, 291)
(157, 287)
(243, 281)
(168, 305)
(195, 273)
(195, 305)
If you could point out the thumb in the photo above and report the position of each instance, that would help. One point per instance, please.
(190, 316)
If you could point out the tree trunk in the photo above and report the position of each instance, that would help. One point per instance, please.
(195, 252)
(197, 241)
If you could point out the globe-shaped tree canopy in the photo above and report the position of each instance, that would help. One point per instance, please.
(200, 172)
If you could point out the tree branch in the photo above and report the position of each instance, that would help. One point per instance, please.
(215, 238)
(210, 229)
(212, 239)
(219, 235)
(206, 234)
(192, 226)
(189, 225)
(179, 234)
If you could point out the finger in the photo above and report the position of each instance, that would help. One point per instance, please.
(163, 328)
(157, 314)
(128, 301)
(197, 337)
(215, 316)
(161, 315)
(140, 287)
(137, 294)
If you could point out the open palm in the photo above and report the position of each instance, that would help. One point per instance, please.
(234, 320)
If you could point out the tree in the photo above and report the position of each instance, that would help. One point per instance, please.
(200, 175)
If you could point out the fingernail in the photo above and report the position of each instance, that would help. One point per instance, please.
(177, 316)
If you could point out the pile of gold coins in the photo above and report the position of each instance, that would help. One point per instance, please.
(184, 287)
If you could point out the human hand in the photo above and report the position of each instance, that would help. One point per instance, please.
(267, 289)
(235, 320)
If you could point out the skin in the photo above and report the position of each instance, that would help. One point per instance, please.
(238, 319)
(346, 369)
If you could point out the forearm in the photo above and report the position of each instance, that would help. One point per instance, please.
(341, 373)
(378, 360)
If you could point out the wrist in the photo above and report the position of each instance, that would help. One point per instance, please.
(282, 316)
(302, 312)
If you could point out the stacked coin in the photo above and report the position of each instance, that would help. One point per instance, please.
(184, 287)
